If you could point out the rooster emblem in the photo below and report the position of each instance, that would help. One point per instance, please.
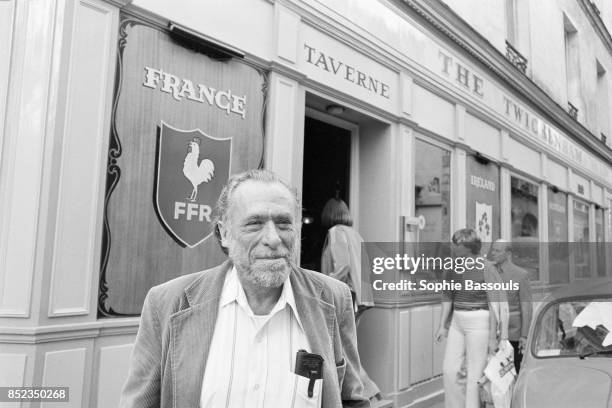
(196, 173)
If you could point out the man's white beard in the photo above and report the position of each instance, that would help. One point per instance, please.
(270, 273)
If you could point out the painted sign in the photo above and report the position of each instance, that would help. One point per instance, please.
(192, 168)
(182, 124)
(552, 138)
(483, 212)
(344, 69)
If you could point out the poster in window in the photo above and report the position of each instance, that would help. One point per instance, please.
(183, 121)
(483, 199)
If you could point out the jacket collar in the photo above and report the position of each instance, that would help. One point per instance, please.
(192, 327)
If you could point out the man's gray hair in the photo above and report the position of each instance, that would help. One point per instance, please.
(224, 201)
(507, 246)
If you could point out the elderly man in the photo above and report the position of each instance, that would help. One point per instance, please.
(236, 335)
(519, 301)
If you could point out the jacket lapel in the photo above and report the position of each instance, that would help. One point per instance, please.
(191, 335)
(317, 317)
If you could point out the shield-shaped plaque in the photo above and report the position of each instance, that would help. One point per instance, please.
(192, 168)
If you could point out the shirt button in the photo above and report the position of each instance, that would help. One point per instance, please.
(256, 387)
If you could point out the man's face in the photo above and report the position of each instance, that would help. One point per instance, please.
(498, 253)
(260, 232)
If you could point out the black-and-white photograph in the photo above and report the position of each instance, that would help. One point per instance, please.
(306, 203)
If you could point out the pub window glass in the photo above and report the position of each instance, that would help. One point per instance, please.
(432, 191)
(525, 225)
(432, 200)
(558, 248)
(581, 239)
(599, 238)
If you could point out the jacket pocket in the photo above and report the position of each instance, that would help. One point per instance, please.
(299, 395)
(341, 368)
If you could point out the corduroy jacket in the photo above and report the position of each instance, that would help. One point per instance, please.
(177, 324)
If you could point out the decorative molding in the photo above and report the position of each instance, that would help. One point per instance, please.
(113, 171)
(594, 17)
(26, 135)
(81, 175)
(66, 332)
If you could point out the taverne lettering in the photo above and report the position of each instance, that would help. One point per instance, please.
(345, 71)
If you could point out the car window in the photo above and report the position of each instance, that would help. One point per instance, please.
(574, 327)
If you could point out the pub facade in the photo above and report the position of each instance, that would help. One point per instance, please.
(122, 120)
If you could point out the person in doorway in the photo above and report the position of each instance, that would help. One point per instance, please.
(341, 256)
(474, 323)
(232, 336)
(341, 259)
(519, 301)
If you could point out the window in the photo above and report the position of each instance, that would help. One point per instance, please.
(581, 239)
(572, 67)
(432, 191)
(432, 201)
(525, 226)
(573, 328)
(603, 116)
(558, 248)
(599, 239)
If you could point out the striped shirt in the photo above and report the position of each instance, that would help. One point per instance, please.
(471, 299)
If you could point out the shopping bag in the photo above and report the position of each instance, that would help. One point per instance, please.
(501, 374)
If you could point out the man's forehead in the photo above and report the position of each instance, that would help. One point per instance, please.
(256, 196)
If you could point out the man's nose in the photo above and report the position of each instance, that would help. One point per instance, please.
(270, 235)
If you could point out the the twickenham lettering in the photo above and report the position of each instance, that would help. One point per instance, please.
(181, 88)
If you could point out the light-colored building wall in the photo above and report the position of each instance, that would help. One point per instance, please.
(488, 17)
(539, 36)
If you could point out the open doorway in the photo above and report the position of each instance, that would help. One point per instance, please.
(326, 174)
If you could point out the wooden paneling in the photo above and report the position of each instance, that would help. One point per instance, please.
(22, 157)
(438, 348)
(81, 166)
(13, 369)
(405, 342)
(433, 113)
(65, 368)
(6, 40)
(421, 344)
(112, 373)
(12, 373)
(140, 252)
(482, 137)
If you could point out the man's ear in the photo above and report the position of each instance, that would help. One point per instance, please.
(224, 233)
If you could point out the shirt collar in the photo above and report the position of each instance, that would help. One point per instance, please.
(234, 292)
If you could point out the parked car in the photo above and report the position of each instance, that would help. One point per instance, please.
(568, 360)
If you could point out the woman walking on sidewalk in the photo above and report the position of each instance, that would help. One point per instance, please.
(474, 323)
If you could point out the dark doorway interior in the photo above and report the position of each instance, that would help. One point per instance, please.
(327, 152)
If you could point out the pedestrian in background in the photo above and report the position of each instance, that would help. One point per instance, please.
(341, 259)
(474, 323)
(519, 301)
